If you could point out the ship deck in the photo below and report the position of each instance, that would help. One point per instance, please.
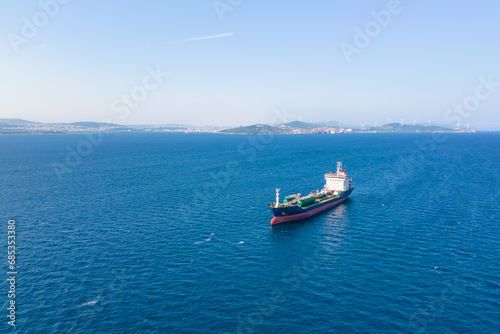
(294, 203)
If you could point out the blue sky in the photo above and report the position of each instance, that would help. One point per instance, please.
(427, 58)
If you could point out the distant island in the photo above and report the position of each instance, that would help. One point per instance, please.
(303, 128)
(16, 126)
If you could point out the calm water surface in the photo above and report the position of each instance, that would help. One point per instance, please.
(170, 233)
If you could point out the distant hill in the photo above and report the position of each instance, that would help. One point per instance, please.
(254, 129)
(397, 127)
(304, 127)
(89, 124)
(17, 121)
(262, 128)
(173, 128)
(175, 125)
(93, 124)
(301, 125)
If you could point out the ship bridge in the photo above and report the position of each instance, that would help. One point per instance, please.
(339, 181)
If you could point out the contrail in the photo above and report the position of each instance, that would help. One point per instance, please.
(206, 37)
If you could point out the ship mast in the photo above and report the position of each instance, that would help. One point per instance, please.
(277, 198)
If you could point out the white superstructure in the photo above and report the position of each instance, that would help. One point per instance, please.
(339, 181)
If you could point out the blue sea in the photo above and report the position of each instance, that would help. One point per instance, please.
(170, 233)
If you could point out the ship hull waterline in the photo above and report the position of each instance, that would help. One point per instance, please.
(299, 216)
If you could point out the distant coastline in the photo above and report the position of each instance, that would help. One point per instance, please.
(19, 126)
(311, 128)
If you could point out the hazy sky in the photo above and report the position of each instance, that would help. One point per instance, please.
(321, 60)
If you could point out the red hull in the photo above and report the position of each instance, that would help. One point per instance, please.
(284, 219)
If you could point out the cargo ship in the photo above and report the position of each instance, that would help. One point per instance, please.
(295, 207)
